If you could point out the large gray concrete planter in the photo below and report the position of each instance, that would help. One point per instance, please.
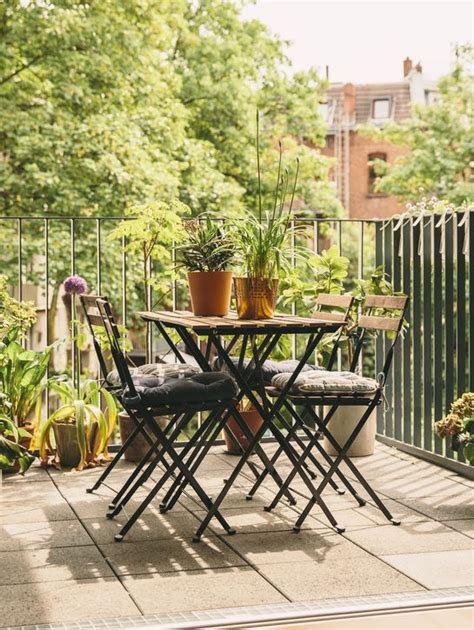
(343, 423)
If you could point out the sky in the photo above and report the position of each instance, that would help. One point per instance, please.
(365, 42)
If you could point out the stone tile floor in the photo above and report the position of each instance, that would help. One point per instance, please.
(59, 561)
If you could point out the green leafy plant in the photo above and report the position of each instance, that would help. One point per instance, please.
(208, 246)
(22, 376)
(263, 240)
(14, 315)
(12, 452)
(81, 407)
(459, 425)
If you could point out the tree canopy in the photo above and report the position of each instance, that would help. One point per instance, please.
(114, 103)
(440, 139)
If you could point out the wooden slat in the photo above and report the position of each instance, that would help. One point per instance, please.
(330, 317)
(90, 300)
(340, 301)
(95, 320)
(386, 301)
(379, 323)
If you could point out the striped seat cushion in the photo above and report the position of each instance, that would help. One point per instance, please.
(326, 382)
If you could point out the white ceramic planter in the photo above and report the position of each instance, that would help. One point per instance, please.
(343, 423)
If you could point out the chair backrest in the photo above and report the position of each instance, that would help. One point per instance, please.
(381, 313)
(333, 308)
(113, 336)
(94, 321)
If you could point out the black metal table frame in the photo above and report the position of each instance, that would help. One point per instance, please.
(244, 376)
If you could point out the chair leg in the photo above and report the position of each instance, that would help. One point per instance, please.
(138, 429)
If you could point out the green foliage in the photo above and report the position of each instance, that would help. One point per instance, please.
(11, 451)
(208, 246)
(81, 407)
(14, 315)
(22, 376)
(440, 138)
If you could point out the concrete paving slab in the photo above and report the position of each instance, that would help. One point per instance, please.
(21, 512)
(201, 590)
(465, 526)
(177, 554)
(437, 569)
(65, 601)
(408, 538)
(35, 473)
(42, 535)
(52, 565)
(341, 577)
(307, 546)
(443, 508)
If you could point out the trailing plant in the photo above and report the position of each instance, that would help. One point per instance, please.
(12, 452)
(81, 407)
(263, 240)
(459, 425)
(208, 246)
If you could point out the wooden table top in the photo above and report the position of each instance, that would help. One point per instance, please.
(231, 323)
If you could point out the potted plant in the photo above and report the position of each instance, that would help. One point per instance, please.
(14, 457)
(262, 243)
(80, 428)
(235, 440)
(459, 425)
(206, 254)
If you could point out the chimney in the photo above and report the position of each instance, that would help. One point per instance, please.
(349, 99)
(407, 66)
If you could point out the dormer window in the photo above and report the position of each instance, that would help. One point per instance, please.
(380, 108)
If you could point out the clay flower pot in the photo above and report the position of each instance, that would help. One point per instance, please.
(210, 292)
(253, 420)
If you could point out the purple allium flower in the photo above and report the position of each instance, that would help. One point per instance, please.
(75, 285)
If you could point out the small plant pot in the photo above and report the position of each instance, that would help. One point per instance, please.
(139, 446)
(67, 444)
(253, 420)
(343, 423)
(256, 297)
(210, 292)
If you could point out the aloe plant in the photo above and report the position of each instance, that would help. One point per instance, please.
(11, 451)
(82, 408)
(208, 246)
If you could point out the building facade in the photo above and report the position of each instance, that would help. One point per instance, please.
(350, 106)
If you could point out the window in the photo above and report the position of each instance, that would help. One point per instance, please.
(381, 108)
(373, 173)
(327, 111)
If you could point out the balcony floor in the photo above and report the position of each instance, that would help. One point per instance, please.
(60, 563)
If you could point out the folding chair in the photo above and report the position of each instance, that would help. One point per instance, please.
(334, 389)
(331, 307)
(146, 398)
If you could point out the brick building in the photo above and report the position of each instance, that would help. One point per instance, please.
(349, 106)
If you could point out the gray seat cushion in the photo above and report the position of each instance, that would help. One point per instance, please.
(160, 370)
(324, 382)
(269, 368)
(205, 387)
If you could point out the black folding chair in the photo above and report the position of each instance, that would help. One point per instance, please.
(95, 323)
(377, 316)
(335, 308)
(139, 401)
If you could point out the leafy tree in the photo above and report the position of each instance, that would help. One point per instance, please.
(115, 104)
(441, 142)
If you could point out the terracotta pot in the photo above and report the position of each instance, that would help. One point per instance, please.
(210, 292)
(139, 447)
(252, 419)
(256, 297)
(343, 423)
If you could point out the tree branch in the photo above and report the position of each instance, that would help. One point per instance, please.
(25, 66)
